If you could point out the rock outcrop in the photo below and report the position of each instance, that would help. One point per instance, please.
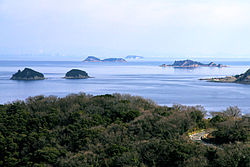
(76, 74)
(27, 74)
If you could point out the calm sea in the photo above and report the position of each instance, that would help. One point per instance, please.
(166, 86)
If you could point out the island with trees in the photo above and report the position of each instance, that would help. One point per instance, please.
(191, 64)
(95, 59)
(119, 130)
(76, 74)
(242, 78)
(28, 75)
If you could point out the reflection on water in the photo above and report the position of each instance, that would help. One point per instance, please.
(166, 86)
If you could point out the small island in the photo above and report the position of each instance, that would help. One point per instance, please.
(242, 78)
(76, 74)
(27, 74)
(191, 64)
(95, 59)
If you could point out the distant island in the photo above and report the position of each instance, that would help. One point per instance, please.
(114, 60)
(95, 59)
(191, 64)
(76, 74)
(27, 74)
(92, 59)
(242, 78)
(134, 57)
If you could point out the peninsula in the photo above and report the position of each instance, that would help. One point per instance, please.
(191, 64)
(76, 74)
(242, 78)
(95, 59)
(27, 74)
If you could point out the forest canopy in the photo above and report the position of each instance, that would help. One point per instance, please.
(118, 130)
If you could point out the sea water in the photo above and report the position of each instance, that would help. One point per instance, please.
(165, 86)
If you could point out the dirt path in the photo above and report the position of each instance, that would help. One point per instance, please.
(196, 137)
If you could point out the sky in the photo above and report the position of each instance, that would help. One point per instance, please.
(74, 29)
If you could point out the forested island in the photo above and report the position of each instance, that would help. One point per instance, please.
(119, 130)
(191, 64)
(76, 74)
(242, 78)
(27, 74)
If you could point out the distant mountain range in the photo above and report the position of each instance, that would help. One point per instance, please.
(191, 64)
(95, 59)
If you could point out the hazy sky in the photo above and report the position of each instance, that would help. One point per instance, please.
(73, 29)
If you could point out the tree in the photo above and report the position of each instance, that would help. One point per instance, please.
(233, 112)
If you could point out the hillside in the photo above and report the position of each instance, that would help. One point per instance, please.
(242, 78)
(117, 130)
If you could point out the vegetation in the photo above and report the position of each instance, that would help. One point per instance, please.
(27, 74)
(117, 130)
(242, 78)
(76, 74)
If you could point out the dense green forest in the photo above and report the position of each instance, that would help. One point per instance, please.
(118, 130)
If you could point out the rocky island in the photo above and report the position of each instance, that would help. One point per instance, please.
(27, 74)
(191, 64)
(95, 59)
(76, 74)
(242, 78)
